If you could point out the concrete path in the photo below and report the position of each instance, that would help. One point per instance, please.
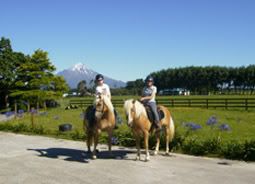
(35, 159)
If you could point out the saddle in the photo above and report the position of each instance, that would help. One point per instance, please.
(90, 116)
(151, 115)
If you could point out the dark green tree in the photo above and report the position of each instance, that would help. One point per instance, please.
(82, 88)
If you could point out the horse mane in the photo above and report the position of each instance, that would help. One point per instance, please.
(139, 108)
(107, 102)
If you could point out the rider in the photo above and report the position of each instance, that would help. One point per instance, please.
(102, 88)
(148, 98)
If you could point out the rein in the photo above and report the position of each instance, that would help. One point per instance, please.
(101, 110)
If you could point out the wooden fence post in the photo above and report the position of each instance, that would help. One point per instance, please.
(32, 117)
(28, 106)
(15, 108)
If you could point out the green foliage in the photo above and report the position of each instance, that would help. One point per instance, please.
(135, 87)
(82, 88)
(241, 150)
(202, 80)
(28, 78)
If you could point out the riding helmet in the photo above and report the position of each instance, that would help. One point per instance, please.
(99, 77)
(149, 78)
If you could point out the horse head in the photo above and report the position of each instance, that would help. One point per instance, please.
(130, 111)
(102, 105)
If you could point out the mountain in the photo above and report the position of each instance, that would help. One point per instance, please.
(80, 72)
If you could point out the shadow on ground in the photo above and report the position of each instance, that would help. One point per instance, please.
(80, 155)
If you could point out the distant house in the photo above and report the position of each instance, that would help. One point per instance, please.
(175, 91)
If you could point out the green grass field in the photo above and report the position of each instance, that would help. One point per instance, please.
(241, 123)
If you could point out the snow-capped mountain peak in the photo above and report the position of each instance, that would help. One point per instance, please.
(79, 67)
(80, 72)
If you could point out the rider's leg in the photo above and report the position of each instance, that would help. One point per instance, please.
(155, 112)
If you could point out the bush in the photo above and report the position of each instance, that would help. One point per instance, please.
(239, 150)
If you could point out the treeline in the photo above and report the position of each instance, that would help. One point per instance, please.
(27, 79)
(209, 79)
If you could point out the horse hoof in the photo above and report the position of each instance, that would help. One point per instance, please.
(137, 158)
(147, 159)
(155, 152)
(94, 157)
(167, 153)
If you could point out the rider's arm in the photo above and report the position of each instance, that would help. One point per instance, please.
(153, 95)
(108, 92)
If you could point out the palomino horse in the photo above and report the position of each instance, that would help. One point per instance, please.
(140, 124)
(104, 121)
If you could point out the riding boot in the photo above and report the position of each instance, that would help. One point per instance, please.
(157, 125)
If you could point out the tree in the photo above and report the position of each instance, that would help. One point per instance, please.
(81, 88)
(135, 86)
(35, 81)
(9, 62)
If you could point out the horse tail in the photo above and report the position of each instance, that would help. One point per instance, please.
(171, 128)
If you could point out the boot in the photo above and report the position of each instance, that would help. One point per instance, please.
(157, 125)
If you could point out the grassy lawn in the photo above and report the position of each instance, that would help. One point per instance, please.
(241, 126)
(241, 123)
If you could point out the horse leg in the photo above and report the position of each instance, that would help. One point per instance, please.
(146, 145)
(167, 134)
(157, 142)
(110, 142)
(138, 147)
(89, 141)
(95, 145)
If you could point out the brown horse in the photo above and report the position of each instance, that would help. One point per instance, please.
(104, 121)
(140, 124)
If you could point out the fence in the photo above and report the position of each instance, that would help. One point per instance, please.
(245, 103)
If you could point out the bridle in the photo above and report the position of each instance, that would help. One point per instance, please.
(101, 110)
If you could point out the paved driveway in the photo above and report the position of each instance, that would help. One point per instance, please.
(35, 159)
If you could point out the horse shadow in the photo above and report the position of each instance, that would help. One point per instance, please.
(82, 156)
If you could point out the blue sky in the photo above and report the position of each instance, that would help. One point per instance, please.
(128, 39)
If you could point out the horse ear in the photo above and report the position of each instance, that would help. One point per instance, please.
(133, 101)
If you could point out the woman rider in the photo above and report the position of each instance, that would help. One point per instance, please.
(102, 88)
(148, 98)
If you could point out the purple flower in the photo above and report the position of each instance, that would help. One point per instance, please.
(212, 121)
(21, 111)
(192, 126)
(224, 127)
(33, 111)
(8, 114)
(115, 140)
